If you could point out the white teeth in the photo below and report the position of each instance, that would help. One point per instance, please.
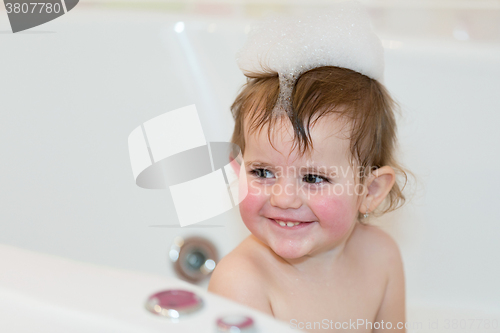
(287, 224)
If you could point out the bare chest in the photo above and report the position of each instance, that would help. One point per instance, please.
(344, 301)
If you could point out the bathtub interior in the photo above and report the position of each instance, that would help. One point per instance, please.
(75, 90)
(46, 293)
(68, 187)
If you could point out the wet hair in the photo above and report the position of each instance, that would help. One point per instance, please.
(363, 102)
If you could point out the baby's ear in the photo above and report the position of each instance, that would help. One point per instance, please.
(379, 185)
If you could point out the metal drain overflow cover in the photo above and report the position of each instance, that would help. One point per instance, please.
(235, 324)
(174, 303)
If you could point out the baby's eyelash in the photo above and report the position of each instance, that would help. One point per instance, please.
(317, 176)
(260, 172)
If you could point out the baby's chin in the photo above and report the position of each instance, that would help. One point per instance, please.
(289, 249)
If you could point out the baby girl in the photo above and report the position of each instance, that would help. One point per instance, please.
(317, 131)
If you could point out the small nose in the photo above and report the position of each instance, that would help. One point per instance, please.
(284, 195)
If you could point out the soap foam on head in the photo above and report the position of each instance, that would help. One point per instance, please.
(340, 36)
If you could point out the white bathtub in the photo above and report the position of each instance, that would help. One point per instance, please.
(67, 112)
(43, 293)
(73, 89)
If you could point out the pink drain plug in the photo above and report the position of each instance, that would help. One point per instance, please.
(174, 303)
(235, 324)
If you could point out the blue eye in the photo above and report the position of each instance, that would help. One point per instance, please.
(314, 179)
(262, 173)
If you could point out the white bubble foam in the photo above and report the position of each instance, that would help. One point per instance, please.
(290, 45)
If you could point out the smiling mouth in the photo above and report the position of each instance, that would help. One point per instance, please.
(289, 224)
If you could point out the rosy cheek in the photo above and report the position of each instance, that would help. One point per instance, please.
(251, 205)
(334, 212)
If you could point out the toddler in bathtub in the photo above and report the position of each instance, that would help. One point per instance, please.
(317, 132)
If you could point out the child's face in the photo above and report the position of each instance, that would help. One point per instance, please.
(316, 189)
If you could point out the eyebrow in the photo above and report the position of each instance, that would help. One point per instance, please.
(321, 170)
(257, 164)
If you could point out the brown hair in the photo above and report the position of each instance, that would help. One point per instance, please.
(363, 101)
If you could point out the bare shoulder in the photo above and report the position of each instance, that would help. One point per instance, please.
(240, 276)
(377, 245)
(381, 253)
